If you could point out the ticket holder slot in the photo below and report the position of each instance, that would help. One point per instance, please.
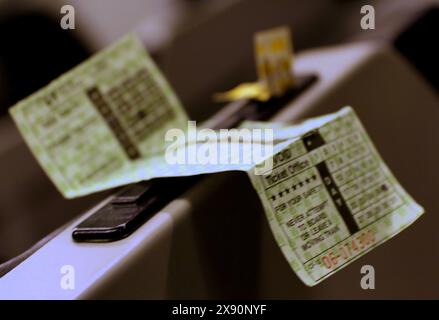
(129, 209)
(133, 205)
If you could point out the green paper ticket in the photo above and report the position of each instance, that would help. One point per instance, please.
(328, 196)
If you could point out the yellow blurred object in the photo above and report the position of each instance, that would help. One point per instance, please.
(254, 90)
(273, 55)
